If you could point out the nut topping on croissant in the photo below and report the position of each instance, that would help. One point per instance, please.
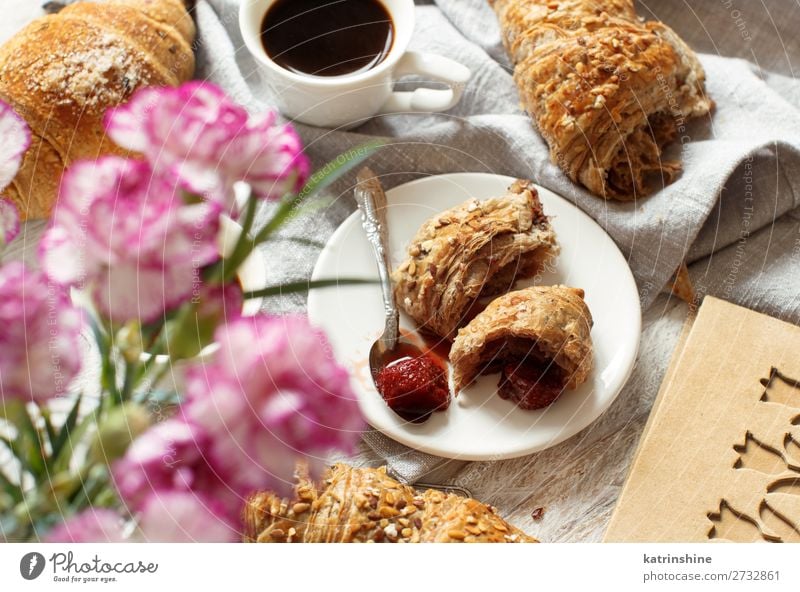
(366, 505)
(477, 249)
(606, 90)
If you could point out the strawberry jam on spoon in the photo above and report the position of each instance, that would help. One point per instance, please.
(410, 380)
(413, 384)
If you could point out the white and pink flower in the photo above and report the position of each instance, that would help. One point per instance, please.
(9, 221)
(15, 139)
(198, 134)
(167, 480)
(272, 395)
(185, 517)
(40, 335)
(172, 457)
(126, 235)
(166, 517)
(92, 525)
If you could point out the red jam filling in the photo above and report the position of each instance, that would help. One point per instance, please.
(414, 387)
(531, 385)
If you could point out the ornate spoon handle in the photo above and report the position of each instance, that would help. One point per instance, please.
(372, 202)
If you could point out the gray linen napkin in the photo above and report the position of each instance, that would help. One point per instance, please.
(733, 183)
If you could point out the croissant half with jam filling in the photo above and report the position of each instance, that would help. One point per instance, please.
(537, 338)
(606, 90)
(360, 505)
(477, 249)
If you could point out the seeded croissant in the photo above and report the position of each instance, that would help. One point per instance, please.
(539, 338)
(607, 91)
(475, 250)
(63, 71)
(358, 505)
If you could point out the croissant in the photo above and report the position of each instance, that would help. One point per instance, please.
(539, 338)
(358, 505)
(477, 249)
(62, 71)
(607, 91)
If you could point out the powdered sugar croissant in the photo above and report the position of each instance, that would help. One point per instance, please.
(477, 249)
(366, 505)
(607, 91)
(63, 71)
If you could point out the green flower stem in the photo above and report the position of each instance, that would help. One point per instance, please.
(226, 269)
(182, 329)
(106, 497)
(96, 481)
(127, 381)
(12, 489)
(289, 207)
(282, 213)
(35, 453)
(304, 286)
(108, 373)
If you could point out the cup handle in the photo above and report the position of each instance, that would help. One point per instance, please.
(432, 66)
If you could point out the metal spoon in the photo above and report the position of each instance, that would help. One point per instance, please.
(372, 202)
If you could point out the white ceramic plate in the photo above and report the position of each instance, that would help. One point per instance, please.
(479, 425)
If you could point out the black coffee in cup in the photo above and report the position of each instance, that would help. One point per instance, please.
(327, 37)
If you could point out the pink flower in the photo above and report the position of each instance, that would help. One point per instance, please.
(15, 139)
(198, 134)
(166, 479)
(175, 517)
(171, 457)
(272, 394)
(9, 221)
(93, 525)
(125, 234)
(39, 335)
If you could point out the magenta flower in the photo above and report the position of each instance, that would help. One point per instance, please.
(93, 525)
(272, 394)
(196, 133)
(182, 517)
(167, 480)
(125, 234)
(171, 456)
(166, 517)
(15, 139)
(9, 221)
(39, 335)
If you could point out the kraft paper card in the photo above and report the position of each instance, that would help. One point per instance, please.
(720, 456)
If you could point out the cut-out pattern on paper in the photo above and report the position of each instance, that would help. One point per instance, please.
(756, 455)
(765, 474)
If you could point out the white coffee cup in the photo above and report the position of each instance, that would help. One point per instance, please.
(345, 101)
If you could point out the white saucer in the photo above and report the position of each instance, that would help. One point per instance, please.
(479, 425)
